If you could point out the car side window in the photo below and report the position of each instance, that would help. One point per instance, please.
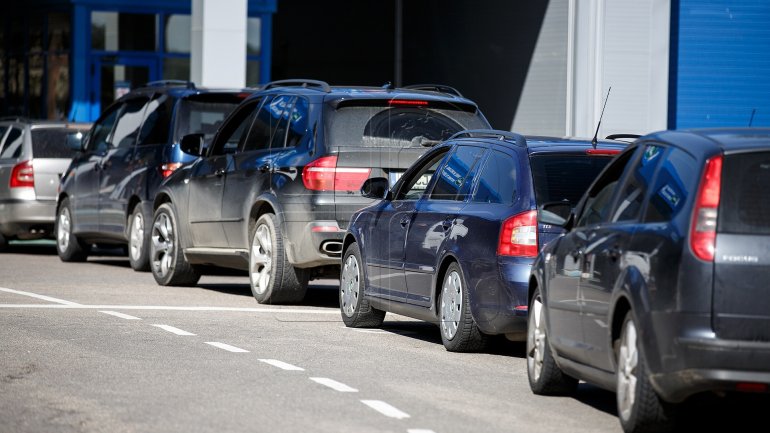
(157, 121)
(597, 204)
(673, 184)
(283, 105)
(456, 172)
(128, 124)
(418, 183)
(298, 123)
(102, 129)
(14, 144)
(637, 184)
(497, 182)
(233, 133)
(259, 135)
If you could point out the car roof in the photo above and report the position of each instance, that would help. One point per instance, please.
(535, 144)
(709, 140)
(43, 123)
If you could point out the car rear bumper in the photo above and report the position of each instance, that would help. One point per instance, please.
(27, 219)
(313, 244)
(501, 306)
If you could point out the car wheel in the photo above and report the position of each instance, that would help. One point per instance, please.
(639, 407)
(545, 377)
(273, 279)
(459, 331)
(167, 261)
(69, 247)
(355, 308)
(138, 241)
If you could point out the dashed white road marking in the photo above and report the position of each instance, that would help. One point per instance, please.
(42, 297)
(173, 330)
(385, 409)
(227, 347)
(333, 384)
(73, 305)
(282, 365)
(419, 430)
(121, 315)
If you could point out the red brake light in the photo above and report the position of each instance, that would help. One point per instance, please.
(518, 237)
(324, 175)
(602, 151)
(407, 102)
(703, 229)
(167, 169)
(22, 175)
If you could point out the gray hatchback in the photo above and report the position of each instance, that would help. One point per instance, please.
(33, 156)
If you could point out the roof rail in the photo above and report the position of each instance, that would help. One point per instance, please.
(168, 83)
(441, 88)
(299, 83)
(518, 139)
(621, 136)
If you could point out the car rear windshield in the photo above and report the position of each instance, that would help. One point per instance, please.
(54, 142)
(745, 200)
(560, 177)
(399, 127)
(203, 116)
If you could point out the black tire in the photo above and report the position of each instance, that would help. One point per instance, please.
(354, 307)
(272, 278)
(167, 261)
(459, 331)
(3, 243)
(645, 411)
(545, 376)
(138, 241)
(68, 246)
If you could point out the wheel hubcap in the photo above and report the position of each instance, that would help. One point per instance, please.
(451, 305)
(261, 259)
(136, 238)
(535, 340)
(63, 229)
(628, 360)
(162, 245)
(350, 286)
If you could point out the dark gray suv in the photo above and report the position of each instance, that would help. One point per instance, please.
(659, 291)
(274, 192)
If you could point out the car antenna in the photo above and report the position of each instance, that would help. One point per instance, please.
(596, 134)
(751, 120)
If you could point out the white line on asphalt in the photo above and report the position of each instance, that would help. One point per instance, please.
(333, 384)
(72, 305)
(419, 430)
(173, 330)
(282, 365)
(227, 347)
(43, 297)
(121, 315)
(385, 409)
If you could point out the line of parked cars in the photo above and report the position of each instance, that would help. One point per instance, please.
(639, 267)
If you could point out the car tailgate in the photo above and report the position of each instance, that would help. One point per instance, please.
(48, 173)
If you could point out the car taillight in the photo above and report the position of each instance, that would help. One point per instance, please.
(703, 229)
(518, 236)
(324, 175)
(22, 175)
(167, 169)
(602, 151)
(408, 102)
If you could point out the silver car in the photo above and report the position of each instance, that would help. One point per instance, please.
(33, 157)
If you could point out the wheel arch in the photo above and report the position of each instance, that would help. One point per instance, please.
(446, 261)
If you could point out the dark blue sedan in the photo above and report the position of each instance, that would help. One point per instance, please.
(453, 240)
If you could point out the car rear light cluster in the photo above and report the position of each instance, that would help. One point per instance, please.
(407, 103)
(324, 175)
(22, 175)
(703, 230)
(602, 151)
(167, 169)
(518, 237)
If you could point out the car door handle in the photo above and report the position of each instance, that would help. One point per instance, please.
(404, 221)
(219, 172)
(264, 168)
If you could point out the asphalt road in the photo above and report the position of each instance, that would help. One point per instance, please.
(97, 347)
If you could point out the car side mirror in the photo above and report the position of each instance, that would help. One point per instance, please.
(377, 188)
(75, 141)
(557, 213)
(192, 144)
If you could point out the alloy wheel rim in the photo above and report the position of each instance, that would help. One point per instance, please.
(136, 238)
(535, 340)
(63, 229)
(261, 259)
(451, 305)
(350, 286)
(162, 245)
(628, 361)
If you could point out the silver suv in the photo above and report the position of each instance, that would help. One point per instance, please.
(33, 156)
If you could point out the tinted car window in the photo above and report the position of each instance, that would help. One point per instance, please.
(414, 188)
(497, 182)
(128, 124)
(638, 182)
(560, 177)
(102, 130)
(455, 173)
(672, 184)
(297, 123)
(233, 134)
(260, 133)
(203, 115)
(281, 109)
(598, 202)
(157, 121)
(52, 142)
(745, 200)
(378, 126)
(14, 144)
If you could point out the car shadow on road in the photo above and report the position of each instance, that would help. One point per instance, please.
(39, 247)
(318, 295)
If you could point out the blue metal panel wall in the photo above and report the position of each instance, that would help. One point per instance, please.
(721, 64)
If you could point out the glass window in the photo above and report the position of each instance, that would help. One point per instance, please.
(598, 202)
(638, 182)
(233, 132)
(178, 33)
(497, 183)
(252, 73)
(14, 144)
(284, 104)
(677, 171)
(157, 121)
(176, 68)
(560, 177)
(52, 142)
(129, 122)
(112, 31)
(269, 127)
(415, 187)
(204, 113)
(102, 129)
(297, 123)
(745, 200)
(253, 36)
(58, 31)
(455, 173)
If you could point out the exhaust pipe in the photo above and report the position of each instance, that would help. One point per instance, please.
(332, 248)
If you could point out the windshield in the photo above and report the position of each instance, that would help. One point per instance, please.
(745, 198)
(54, 142)
(560, 177)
